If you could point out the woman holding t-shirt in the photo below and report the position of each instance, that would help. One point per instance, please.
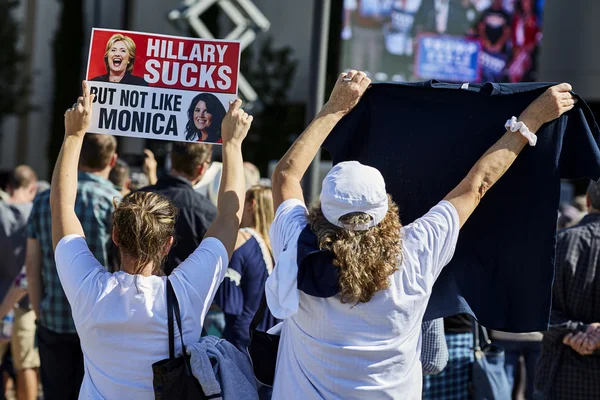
(121, 317)
(358, 337)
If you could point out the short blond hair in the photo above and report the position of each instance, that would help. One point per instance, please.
(129, 45)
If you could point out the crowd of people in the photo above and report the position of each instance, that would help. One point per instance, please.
(88, 267)
(382, 36)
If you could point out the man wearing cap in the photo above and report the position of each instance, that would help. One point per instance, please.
(351, 283)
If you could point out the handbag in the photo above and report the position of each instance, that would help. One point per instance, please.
(489, 378)
(263, 348)
(172, 377)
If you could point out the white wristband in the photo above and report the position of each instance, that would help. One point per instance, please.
(513, 125)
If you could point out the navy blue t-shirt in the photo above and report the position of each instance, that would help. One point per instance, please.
(241, 292)
(424, 138)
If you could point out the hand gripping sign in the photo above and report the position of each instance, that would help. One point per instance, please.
(161, 87)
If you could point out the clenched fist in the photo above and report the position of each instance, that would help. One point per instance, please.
(78, 117)
(347, 92)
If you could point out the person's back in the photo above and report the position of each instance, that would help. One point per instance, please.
(196, 212)
(60, 351)
(380, 336)
(350, 284)
(122, 317)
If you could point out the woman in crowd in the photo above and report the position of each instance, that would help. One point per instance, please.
(121, 317)
(119, 59)
(242, 290)
(205, 114)
(526, 35)
(363, 341)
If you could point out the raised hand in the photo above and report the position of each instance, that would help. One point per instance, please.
(236, 123)
(150, 166)
(347, 92)
(551, 104)
(78, 117)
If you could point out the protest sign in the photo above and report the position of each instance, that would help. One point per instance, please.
(448, 58)
(161, 87)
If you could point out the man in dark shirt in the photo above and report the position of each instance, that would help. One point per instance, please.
(189, 162)
(494, 32)
(494, 28)
(569, 367)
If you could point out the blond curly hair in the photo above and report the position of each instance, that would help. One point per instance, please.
(365, 259)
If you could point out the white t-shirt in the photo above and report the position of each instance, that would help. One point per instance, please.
(330, 350)
(121, 319)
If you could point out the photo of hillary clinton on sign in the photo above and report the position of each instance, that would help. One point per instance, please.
(119, 59)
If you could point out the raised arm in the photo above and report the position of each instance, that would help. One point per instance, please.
(232, 189)
(288, 173)
(63, 189)
(495, 162)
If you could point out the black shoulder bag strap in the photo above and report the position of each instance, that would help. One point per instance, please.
(173, 306)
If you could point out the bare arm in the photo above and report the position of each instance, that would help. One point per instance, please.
(33, 270)
(292, 167)
(63, 189)
(14, 295)
(232, 189)
(496, 161)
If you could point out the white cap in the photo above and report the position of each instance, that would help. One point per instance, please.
(351, 187)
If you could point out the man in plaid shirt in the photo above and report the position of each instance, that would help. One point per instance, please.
(569, 366)
(60, 351)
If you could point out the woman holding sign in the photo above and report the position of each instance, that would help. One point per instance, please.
(121, 317)
(204, 119)
(119, 59)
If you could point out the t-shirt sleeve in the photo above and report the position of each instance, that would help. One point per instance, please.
(290, 218)
(432, 239)
(281, 288)
(230, 297)
(200, 275)
(76, 265)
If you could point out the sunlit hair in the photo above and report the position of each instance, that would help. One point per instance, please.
(129, 45)
(214, 107)
(365, 259)
(144, 222)
(263, 214)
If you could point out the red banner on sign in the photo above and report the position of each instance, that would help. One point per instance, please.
(161, 61)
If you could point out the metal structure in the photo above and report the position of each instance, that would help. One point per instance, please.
(245, 16)
(316, 96)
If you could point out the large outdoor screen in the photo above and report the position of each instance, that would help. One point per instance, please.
(447, 40)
